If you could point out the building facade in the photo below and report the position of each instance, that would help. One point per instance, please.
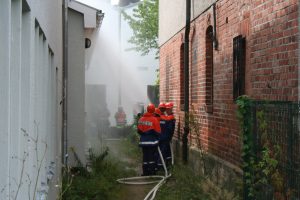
(83, 22)
(30, 92)
(236, 47)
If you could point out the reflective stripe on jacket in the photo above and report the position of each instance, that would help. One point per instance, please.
(149, 129)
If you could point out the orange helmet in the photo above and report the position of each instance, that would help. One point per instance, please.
(162, 105)
(169, 105)
(151, 108)
(157, 111)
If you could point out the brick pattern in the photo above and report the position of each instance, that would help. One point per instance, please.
(168, 76)
(194, 69)
(271, 31)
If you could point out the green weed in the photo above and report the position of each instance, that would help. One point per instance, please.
(98, 184)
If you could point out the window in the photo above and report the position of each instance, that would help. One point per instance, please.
(182, 76)
(209, 70)
(239, 58)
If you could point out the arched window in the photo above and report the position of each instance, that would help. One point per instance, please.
(182, 76)
(209, 69)
(194, 70)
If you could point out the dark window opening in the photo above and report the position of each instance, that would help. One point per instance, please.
(239, 58)
(209, 70)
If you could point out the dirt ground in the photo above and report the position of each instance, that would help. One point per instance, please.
(128, 192)
(135, 192)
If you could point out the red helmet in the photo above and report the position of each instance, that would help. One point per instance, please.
(157, 111)
(169, 105)
(151, 108)
(162, 105)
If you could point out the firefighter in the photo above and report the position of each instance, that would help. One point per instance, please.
(162, 107)
(120, 117)
(171, 121)
(149, 130)
(163, 139)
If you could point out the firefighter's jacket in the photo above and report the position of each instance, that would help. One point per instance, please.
(171, 126)
(164, 125)
(149, 129)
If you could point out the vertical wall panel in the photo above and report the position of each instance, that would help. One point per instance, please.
(45, 113)
(54, 109)
(76, 87)
(15, 76)
(27, 94)
(33, 106)
(26, 41)
(31, 93)
(5, 15)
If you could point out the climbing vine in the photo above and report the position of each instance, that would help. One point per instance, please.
(244, 117)
(267, 172)
(260, 167)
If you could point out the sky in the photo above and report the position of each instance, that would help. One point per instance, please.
(107, 62)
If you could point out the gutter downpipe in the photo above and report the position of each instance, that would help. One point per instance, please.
(186, 82)
(299, 62)
(65, 84)
(216, 43)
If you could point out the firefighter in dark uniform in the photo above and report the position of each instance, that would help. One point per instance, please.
(171, 121)
(163, 139)
(149, 130)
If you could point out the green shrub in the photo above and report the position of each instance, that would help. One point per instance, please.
(79, 184)
(183, 184)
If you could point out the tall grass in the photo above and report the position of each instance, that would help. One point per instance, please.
(97, 184)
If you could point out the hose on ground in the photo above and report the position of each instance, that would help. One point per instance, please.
(151, 195)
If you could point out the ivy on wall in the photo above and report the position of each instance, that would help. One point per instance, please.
(262, 177)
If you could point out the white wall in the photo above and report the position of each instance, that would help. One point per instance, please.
(88, 12)
(172, 16)
(30, 89)
(76, 86)
(5, 34)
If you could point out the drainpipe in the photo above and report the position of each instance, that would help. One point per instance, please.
(299, 63)
(65, 84)
(216, 44)
(298, 70)
(186, 82)
(120, 61)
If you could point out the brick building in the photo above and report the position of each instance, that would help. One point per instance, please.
(244, 47)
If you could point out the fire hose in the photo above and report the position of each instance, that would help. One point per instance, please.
(151, 195)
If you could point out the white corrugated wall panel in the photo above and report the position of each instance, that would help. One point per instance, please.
(26, 62)
(29, 86)
(15, 77)
(5, 22)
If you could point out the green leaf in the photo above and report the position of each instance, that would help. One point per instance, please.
(144, 23)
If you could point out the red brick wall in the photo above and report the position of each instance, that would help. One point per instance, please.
(271, 31)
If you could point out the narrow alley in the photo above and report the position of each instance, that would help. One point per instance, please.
(149, 99)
